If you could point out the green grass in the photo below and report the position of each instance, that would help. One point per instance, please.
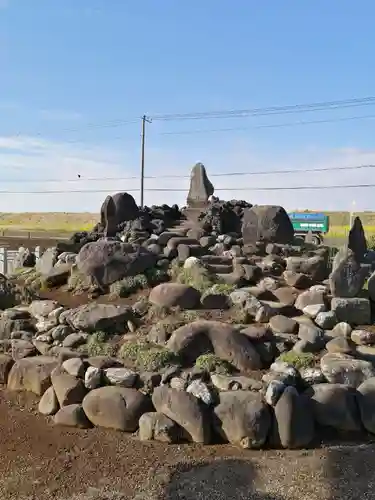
(212, 363)
(97, 345)
(302, 360)
(147, 356)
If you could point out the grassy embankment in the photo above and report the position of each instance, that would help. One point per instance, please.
(67, 223)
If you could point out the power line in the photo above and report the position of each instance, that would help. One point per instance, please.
(270, 125)
(295, 108)
(222, 174)
(268, 188)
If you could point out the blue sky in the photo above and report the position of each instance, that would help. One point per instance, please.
(69, 68)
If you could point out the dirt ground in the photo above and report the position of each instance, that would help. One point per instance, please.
(40, 461)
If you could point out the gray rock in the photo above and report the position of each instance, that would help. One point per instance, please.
(192, 340)
(75, 340)
(200, 187)
(158, 427)
(107, 261)
(99, 317)
(42, 308)
(312, 376)
(348, 275)
(274, 391)
(69, 390)
(355, 311)
(340, 345)
(116, 407)
(125, 208)
(366, 403)
(184, 409)
(60, 332)
(335, 405)
(311, 334)
(242, 418)
(294, 419)
(6, 363)
(341, 329)
(371, 287)
(344, 369)
(93, 377)
(200, 390)
(273, 225)
(282, 324)
(22, 349)
(48, 405)
(308, 298)
(47, 261)
(326, 320)
(74, 367)
(174, 294)
(32, 374)
(312, 310)
(72, 416)
(122, 377)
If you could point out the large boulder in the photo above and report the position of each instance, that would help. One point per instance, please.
(294, 422)
(335, 405)
(273, 226)
(315, 267)
(104, 317)
(355, 311)
(116, 407)
(32, 374)
(242, 418)
(344, 369)
(106, 261)
(348, 275)
(199, 337)
(185, 409)
(123, 208)
(175, 294)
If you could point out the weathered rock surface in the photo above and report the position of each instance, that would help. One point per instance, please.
(99, 317)
(116, 407)
(156, 426)
(184, 409)
(242, 418)
(32, 374)
(175, 294)
(344, 369)
(194, 339)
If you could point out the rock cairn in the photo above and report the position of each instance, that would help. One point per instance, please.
(237, 334)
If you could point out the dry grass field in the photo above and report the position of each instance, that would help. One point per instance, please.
(65, 223)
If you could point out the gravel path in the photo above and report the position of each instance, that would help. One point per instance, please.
(40, 462)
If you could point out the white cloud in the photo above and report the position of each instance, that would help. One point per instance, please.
(25, 158)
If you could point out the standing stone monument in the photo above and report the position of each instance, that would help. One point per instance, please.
(250, 227)
(357, 240)
(109, 219)
(200, 187)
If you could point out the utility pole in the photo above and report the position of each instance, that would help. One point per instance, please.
(143, 134)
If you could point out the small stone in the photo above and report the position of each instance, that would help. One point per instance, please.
(342, 329)
(75, 367)
(274, 391)
(48, 405)
(75, 340)
(326, 320)
(122, 377)
(363, 337)
(131, 326)
(312, 310)
(340, 345)
(312, 376)
(200, 390)
(72, 416)
(93, 377)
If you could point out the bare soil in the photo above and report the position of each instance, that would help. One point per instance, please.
(40, 461)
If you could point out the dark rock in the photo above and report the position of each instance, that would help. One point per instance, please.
(357, 240)
(174, 294)
(109, 261)
(348, 276)
(6, 363)
(335, 405)
(294, 419)
(355, 311)
(242, 418)
(125, 209)
(200, 337)
(366, 403)
(200, 187)
(274, 225)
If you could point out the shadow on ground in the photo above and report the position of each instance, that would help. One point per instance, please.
(221, 480)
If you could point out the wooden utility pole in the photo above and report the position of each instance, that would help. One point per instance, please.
(143, 134)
